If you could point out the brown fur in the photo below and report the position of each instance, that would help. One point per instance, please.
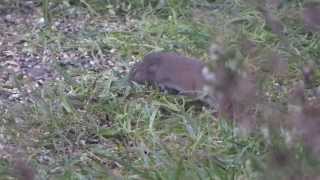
(170, 71)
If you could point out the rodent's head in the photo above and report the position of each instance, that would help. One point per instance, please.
(143, 72)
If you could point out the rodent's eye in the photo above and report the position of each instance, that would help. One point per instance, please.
(153, 68)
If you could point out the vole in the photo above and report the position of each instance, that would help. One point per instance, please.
(170, 71)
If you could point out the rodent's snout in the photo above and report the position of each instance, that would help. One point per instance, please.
(137, 76)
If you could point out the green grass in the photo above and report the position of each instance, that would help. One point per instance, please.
(93, 125)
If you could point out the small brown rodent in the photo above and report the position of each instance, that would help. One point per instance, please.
(170, 71)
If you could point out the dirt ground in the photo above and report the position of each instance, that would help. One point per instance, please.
(28, 53)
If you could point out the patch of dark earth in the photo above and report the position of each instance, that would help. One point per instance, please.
(28, 55)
